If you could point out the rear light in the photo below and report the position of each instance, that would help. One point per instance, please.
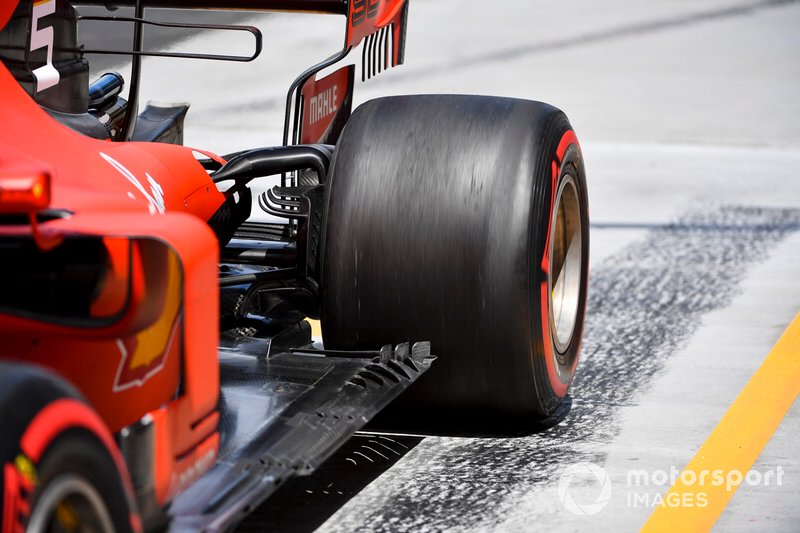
(24, 192)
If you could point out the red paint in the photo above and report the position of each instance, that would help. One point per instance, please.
(88, 175)
(122, 190)
(559, 387)
(368, 16)
(22, 191)
(176, 468)
(323, 100)
(113, 295)
(7, 8)
(210, 155)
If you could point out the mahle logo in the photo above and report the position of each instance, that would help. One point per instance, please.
(584, 489)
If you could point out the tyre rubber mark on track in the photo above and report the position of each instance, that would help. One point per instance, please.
(305, 502)
(645, 302)
(738, 439)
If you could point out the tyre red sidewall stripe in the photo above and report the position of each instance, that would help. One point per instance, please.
(567, 139)
(54, 419)
(64, 414)
(559, 387)
(12, 502)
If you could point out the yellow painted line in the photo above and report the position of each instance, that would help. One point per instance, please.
(735, 443)
(316, 328)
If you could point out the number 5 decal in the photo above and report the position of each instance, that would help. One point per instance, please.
(46, 76)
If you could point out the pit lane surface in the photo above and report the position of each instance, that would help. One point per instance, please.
(688, 117)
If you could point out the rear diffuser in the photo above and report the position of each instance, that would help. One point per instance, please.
(284, 415)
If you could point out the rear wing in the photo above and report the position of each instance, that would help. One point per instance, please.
(334, 7)
(364, 17)
(379, 24)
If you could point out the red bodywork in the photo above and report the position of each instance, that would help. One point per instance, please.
(127, 370)
(151, 349)
(365, 17)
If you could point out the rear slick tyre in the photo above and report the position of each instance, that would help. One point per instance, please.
(462, 220)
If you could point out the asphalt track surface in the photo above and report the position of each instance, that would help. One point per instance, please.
(690, 125)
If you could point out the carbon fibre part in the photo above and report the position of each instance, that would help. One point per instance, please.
(283, 416)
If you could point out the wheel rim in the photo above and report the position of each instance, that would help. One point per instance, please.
(70, 503)
(564, 276)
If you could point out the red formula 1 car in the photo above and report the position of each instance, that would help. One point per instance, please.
(156, 368)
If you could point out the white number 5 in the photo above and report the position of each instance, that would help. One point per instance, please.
(46, 76)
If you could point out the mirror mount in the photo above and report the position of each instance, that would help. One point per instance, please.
(45, 242)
